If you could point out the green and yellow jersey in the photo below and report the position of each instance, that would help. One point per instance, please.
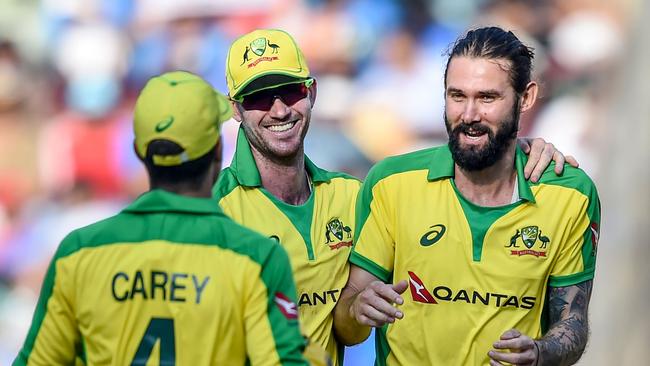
(317, 235)
(170, 280)
(473, 272)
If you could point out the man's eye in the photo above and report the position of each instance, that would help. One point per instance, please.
(457, 97)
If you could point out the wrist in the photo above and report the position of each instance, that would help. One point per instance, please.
(538, 353)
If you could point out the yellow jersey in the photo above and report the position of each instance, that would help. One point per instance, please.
(317, 235)
(170, 280)
(473, 272)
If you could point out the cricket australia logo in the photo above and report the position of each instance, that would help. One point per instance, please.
(258, 47)
(336, 230)
(530, 236)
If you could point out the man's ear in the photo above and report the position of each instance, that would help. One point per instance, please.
(236, 111)
(529, 96)
(312, 92)
(218, 155)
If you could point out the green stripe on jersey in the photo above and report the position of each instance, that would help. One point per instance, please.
(480, 220)
(299, 215)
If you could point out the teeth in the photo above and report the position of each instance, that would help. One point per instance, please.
(280, 128)
(473, 133)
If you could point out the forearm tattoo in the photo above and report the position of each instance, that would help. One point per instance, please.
(566, 339)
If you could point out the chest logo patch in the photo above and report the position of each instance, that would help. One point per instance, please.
(419, 291)
(336, 233)
(433, 236)
(531, 237)
(287, 307)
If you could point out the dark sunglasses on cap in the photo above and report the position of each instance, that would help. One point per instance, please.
(289, 94)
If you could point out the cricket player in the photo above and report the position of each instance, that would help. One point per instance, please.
(170, 280)
(459, 260)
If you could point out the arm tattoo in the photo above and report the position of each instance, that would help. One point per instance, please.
(566, 339)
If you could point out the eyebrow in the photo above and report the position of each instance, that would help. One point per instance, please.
(454, 90)
(490, 93)
(482, 93)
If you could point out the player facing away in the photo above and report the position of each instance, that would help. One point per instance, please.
(272, 187)
(170, 280)
(458, 259)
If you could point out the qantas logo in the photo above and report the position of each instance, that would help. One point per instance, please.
(286, 306)
(418, 291)
(595, 235)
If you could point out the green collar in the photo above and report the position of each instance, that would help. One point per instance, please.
(158, 200)
(245, 170)
(442, 166)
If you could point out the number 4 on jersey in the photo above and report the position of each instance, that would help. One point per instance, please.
(158, 329)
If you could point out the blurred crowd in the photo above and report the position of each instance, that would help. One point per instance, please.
(70, 69)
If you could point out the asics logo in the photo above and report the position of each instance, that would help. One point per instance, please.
(433, 236)
(164, 124)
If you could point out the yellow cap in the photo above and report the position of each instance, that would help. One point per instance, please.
(180, 107)
(263, 59)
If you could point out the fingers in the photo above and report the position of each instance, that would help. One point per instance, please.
(519, 349)
(539, 159)
(559, 159)
(374, 305)
(399, 288)
(535, 149)
(524, 143)
(509, 334)
(514, 343)
(515, 358)
(374, 318)
(387, 292)
(572, 161)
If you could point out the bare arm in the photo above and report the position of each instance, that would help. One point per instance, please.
(365, 302)
(564, 342)
(540, 153)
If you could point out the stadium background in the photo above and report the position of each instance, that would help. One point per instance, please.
(69, 71)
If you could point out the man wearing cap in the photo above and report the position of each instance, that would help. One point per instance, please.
(273, 188)
(171, 279)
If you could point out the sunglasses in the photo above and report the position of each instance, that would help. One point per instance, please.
(263, 100)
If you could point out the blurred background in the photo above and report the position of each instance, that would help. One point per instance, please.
(70, 69)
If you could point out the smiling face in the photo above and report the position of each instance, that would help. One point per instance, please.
(482, 110)
(278, 134)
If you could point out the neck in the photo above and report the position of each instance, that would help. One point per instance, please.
(203, 191)
(489, 187)
(286, 180)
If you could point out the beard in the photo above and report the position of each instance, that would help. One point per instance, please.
(474, 158)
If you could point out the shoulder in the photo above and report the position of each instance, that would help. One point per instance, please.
(572, 178)
(251, 244)
(417, 160)
(91, 235)
(225, 184)
(340, 180)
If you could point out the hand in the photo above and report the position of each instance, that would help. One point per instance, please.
(522, 350)
(540, 154)
(374, 305)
